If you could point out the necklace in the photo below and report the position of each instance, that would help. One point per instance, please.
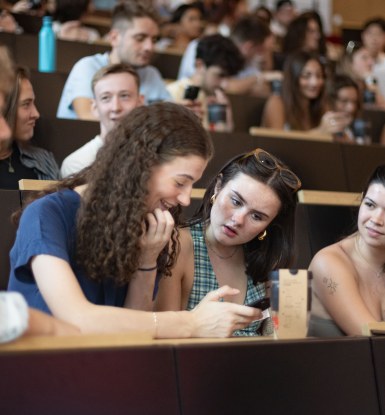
(221, 256)
(380, 272)
(10, 167)
(8, 159)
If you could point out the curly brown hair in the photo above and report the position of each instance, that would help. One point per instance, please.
(113, 206)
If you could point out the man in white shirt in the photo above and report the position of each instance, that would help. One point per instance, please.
(116, 93)
(133, 35)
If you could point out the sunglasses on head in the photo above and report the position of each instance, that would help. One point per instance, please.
(271, 163)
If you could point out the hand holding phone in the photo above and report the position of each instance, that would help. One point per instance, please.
(191, 92)
(262, 303)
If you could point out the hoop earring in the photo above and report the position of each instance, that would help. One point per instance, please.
(212, 198)
(262, 235)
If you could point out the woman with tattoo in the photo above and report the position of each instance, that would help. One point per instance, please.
(349, 276)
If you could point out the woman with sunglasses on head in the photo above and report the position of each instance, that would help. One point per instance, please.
(92, 251)
(243, 230)
(302, 103)
(349, 276)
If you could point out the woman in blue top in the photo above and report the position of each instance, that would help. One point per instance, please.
(243, 230)
(90, 253)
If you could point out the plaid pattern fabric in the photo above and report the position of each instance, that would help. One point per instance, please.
(205, 281)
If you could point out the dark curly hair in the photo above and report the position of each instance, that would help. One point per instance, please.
(276, 250)
(113, 206)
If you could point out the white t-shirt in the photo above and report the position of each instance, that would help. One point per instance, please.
(82, 157)
(78, 83)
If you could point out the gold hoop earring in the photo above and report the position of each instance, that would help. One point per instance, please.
(262, 235)
(212, 198)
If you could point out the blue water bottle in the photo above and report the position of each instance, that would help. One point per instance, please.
(47, 46)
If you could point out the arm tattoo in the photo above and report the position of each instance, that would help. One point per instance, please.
(330, 285)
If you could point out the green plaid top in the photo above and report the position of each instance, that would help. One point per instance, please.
(205, 281)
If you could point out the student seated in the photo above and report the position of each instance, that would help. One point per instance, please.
(67, 23)
(185, 24)
(21, 159)
(116, 93)
(349, 276)
(358, 63)
(217, 58)
(133, 35)
(252, 36)
(344, 99)
(91, 252)
(302, 102)
(243, 230)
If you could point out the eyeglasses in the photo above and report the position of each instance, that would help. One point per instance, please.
(271, 163)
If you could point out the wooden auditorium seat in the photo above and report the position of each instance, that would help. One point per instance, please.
(318, 164)
(247, 111)
(25, 51)
(375, 118)
(62, 136)
(322, 218)
(48, 88)
(359, 162)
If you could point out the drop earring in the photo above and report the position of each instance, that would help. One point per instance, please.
(262, 235)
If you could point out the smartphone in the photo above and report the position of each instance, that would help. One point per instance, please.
(191, 92)
(262, 303)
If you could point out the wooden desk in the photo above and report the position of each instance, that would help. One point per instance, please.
(319, 197)
(310, 376)
(129, 377)
(191, 376)
(291, 135)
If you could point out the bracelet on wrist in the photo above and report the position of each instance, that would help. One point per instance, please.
(155, 320)
(148, 269)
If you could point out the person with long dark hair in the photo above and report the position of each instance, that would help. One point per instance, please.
(302, 103)
(243, 230)
(349, 276)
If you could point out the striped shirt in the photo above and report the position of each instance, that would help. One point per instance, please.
(41, 161)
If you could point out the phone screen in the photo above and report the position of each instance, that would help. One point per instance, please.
(262, 304)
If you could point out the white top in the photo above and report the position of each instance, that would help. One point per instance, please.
(187, 64)
(82, 157)
(78, 83)
(13, 316)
